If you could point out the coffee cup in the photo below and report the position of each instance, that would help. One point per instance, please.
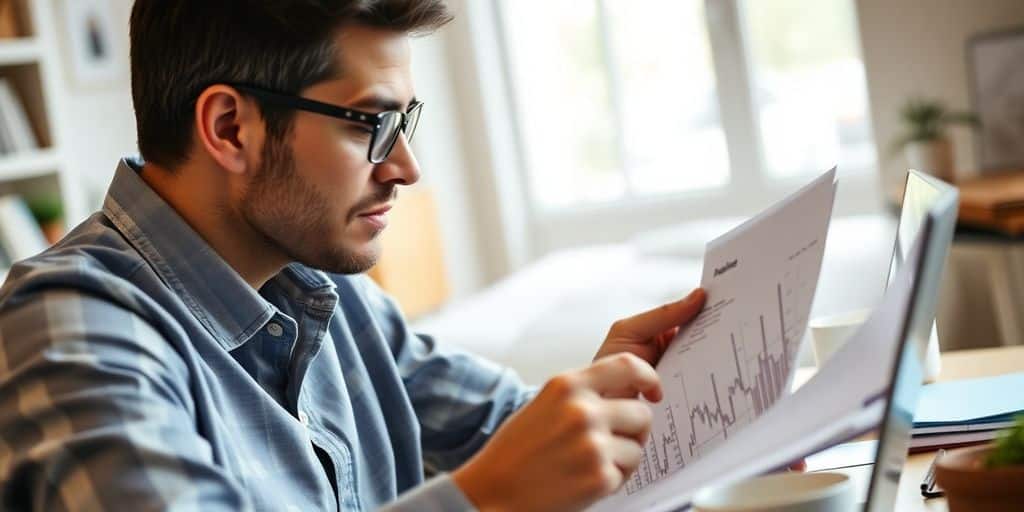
(828, 333)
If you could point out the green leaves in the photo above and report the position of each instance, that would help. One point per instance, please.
(1009, 448)
(926, 119)
(45, 208)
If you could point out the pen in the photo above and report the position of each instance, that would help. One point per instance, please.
(928, 485)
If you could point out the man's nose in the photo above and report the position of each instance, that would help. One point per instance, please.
(400, 167)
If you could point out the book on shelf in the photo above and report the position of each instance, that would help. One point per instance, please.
(9, 20)
(20, 234)
(15, 130)
(6, 139)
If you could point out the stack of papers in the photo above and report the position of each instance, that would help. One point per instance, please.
(735, 360)
(726, 416)
(841, 402)
(966, 411)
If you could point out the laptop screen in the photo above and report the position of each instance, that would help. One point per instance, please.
(929, 206)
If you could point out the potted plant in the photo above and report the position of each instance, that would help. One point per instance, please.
(987, 478)
(48, 210)
(924, 142)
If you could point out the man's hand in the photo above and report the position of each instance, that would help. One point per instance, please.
(646, 335)
(571, 445)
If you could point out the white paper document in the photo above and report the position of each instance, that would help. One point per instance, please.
(735, 360)
(842, 401)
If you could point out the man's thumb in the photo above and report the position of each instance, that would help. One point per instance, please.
(656, 321)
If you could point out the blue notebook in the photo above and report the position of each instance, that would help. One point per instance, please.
(971, 402)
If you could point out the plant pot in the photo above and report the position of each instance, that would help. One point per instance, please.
(53, 231)
(934, 157)
(971, 487)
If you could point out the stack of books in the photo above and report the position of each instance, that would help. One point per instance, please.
(994, 202)
(15, 131)
(20, 235)
(964, 412)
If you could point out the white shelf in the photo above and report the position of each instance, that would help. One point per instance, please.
(22, 50)
(28, 164)
(32, 64)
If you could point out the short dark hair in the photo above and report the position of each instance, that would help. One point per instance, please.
(181, 47)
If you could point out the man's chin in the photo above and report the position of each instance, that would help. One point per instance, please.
(348, 260)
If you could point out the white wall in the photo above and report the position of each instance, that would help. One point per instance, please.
(94, 124)
(918, 47)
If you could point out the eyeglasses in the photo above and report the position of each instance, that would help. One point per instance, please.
(386, 125)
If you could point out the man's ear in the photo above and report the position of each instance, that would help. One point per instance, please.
(229, 127)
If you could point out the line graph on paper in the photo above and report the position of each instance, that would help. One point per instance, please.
(719, 391)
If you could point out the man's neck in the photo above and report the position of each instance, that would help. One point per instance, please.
(202, 198)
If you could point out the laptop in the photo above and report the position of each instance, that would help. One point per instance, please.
(929, 211)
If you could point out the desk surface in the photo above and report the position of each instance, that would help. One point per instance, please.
(964, 364)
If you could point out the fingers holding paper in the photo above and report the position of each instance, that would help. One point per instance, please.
(623, 375)
(571, 445)
(583, 435)
(647, 334)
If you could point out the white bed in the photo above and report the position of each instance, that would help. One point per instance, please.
(553, 314)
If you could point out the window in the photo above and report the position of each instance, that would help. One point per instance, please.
(809, 88)
(618, 100)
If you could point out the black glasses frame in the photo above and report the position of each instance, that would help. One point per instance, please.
(407, 123)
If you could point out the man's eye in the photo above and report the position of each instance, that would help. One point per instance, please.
(359, 130)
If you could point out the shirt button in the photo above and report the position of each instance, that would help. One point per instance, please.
(304, 418)
(275, 329)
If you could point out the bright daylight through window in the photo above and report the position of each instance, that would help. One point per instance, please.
(617, 100)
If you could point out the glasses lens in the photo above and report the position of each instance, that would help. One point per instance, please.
(413, 121)
(385, 137)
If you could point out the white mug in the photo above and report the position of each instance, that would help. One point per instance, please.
(828, 333)
(781, 492)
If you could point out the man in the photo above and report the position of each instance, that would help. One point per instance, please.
(205, 341)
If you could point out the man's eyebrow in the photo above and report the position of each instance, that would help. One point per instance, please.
(380, 104)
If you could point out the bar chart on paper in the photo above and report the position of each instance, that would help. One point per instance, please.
(735, 360)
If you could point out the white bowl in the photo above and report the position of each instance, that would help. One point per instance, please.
(783, 492)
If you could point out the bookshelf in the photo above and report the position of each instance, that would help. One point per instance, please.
(30, 62)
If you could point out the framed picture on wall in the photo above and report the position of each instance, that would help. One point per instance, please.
(91, 47)
(996, 64)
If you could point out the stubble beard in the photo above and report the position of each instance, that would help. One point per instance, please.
(294, 216)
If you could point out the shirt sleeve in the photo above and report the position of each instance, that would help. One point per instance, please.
(460, 399)
(96, 414)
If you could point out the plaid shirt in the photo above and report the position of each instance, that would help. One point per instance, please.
(138, 371)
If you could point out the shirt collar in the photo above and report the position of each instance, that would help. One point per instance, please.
(230, 309)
